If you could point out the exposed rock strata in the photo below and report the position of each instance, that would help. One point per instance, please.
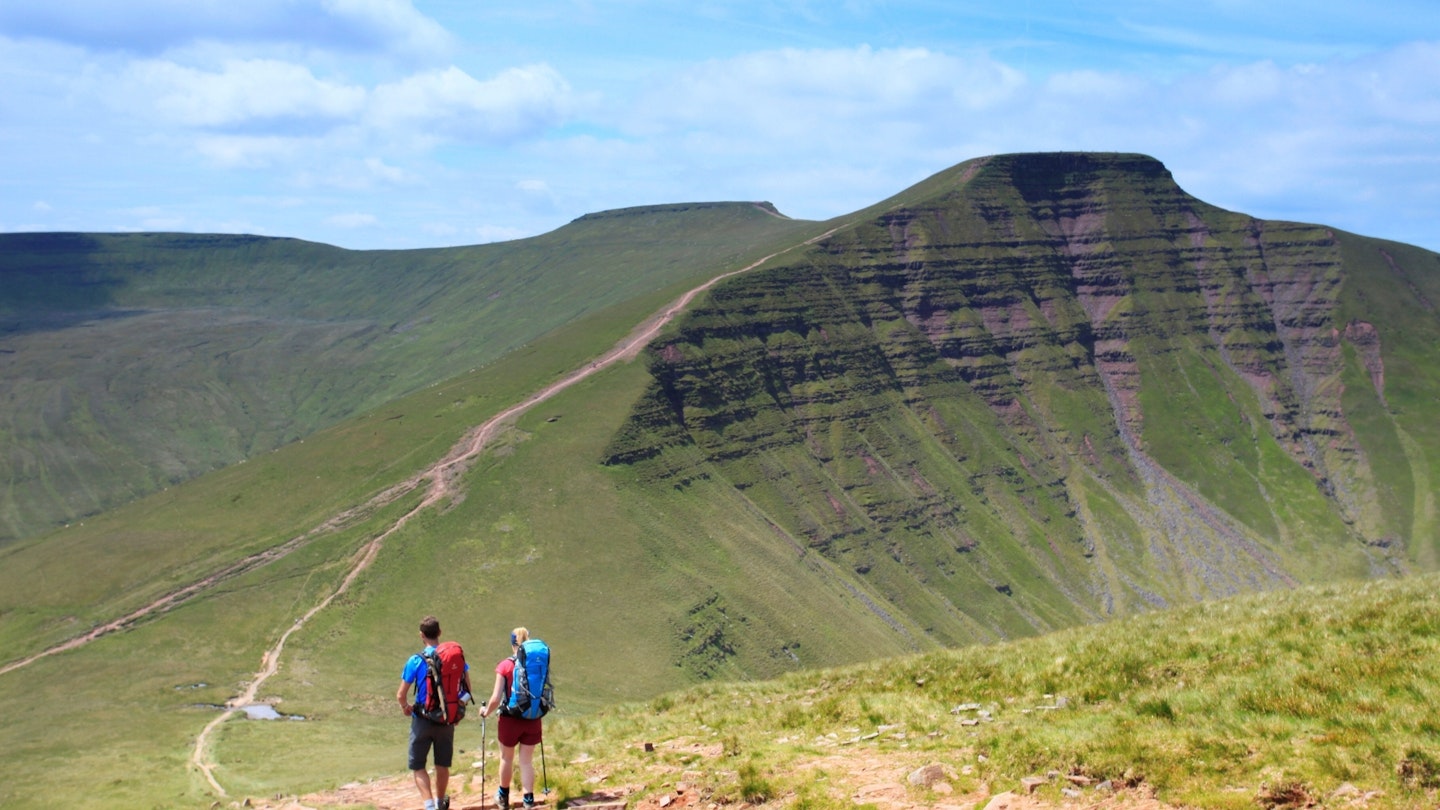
(1061, 371)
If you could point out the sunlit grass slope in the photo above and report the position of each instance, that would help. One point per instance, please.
(55, 586)
(819, 484)
(543, 536)
(682, 586)
(1289, 699)
(130, 362)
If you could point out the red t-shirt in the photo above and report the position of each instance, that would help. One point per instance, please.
(515, 730)
(506, 670)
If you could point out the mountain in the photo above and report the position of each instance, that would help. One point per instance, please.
(1047, 388)
(132, 362)
(1031, 392)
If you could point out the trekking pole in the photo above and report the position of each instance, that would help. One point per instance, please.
(543, 774)
(483, 746)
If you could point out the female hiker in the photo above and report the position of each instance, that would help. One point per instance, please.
(514, 731)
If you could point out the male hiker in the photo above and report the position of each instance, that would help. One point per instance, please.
(442, 686)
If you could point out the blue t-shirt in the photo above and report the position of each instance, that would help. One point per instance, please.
(414, 672)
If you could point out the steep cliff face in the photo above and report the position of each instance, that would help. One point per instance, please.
(1041, 389)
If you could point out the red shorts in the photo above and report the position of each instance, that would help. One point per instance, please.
(518, 731)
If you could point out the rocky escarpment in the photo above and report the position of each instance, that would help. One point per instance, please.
(1051, 388)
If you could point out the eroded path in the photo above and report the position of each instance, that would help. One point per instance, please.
(882, 779)
(439, 480)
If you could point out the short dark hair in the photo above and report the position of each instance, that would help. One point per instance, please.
(430, 627)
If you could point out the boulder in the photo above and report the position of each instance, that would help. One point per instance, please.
(928, 775)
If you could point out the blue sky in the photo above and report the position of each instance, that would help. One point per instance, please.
(398, 124)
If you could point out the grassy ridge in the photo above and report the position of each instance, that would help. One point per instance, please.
(132, 362)
(1281, 698)
(825, 485)
(612, 572)
(117, 561)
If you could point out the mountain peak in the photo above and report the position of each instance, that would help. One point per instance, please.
(677, 208)
(1036, 172)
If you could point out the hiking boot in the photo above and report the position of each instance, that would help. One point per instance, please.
(529, 800)
(443, 803)
(502, 799)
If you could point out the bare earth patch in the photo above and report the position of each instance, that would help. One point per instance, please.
(886, 780)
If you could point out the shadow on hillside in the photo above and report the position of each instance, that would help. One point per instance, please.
(19, 323)
(53, 281)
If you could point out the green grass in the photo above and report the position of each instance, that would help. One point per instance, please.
(1212, 706)
(123, 711)
(136, 361)
(606, 574)
(839, 458)
(1398, 284)
(137, 552)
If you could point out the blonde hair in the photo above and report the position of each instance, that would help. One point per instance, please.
(519, 635)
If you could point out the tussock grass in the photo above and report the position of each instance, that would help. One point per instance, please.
(1267, 699)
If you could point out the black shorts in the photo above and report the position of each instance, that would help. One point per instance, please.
(425, 733)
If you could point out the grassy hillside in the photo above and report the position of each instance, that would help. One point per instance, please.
(1314, 697)
(609, 574)
(131, 362)
(1024, 395)
(672, 581)
(1047, 389)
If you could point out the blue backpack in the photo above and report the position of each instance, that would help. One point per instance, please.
(530, 693)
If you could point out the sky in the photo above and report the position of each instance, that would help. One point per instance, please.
(426, 123)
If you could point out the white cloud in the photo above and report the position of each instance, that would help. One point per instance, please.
(396, 24)
(793, 92)
(379, 170)
(157, 26)
(259, 113)
(1403, 84)
(352, 220)
(248, 151)
(1094, 86)
(251, 112)
(243, 92)
(517, 103)
(499, 233)
(350, 175)
(821, 132)
(1248, 85)
(107, 103)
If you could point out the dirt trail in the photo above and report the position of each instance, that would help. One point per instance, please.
(441, 479)
(865, 777)
(166, 602)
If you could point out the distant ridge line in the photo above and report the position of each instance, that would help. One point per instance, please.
(673, 208)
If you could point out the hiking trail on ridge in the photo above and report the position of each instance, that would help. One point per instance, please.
(441, 478)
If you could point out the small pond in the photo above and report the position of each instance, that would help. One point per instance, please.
(264, 711)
